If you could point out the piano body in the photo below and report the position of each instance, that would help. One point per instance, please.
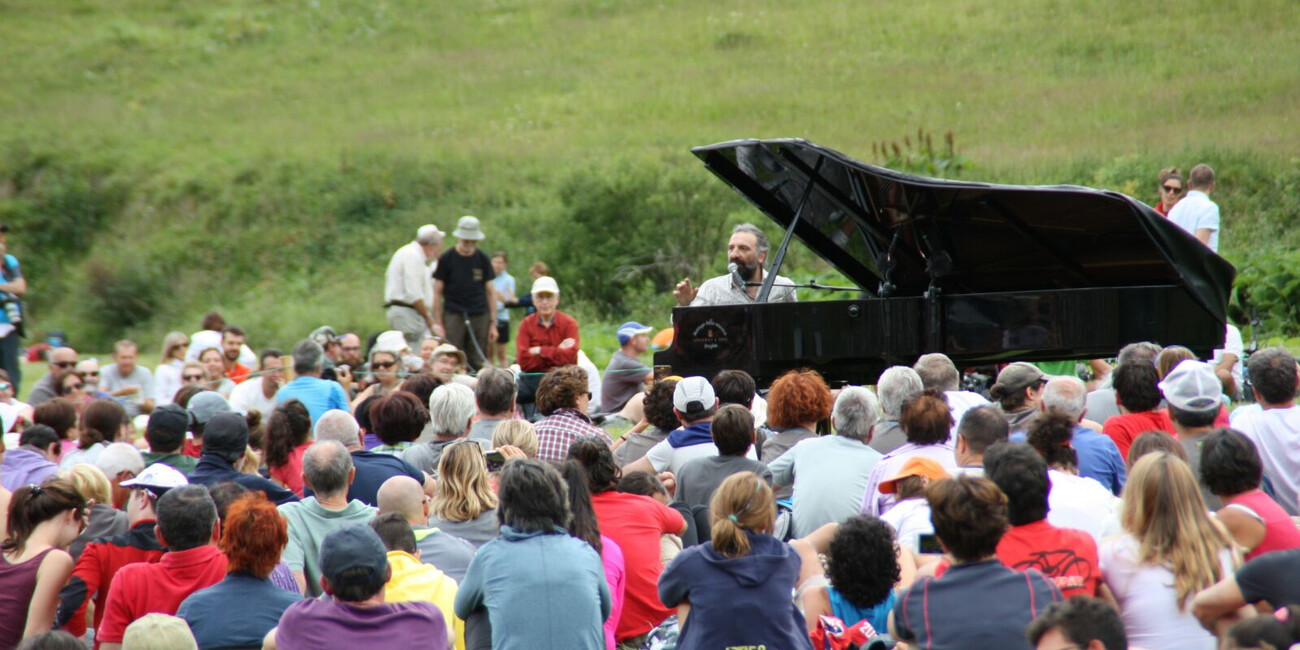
(983, 273)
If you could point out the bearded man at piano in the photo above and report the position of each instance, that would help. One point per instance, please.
(747, 251)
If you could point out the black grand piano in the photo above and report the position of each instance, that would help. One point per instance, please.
(983, 273)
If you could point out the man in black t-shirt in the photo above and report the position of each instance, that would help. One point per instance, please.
(464, 302)
(1269, 578)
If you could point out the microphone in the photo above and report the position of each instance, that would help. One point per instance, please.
(734, 269)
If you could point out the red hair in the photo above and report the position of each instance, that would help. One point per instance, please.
(253, 535)
(798, 397)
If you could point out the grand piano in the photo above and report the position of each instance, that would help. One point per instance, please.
(983, 273)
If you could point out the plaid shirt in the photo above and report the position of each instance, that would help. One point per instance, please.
(558, 430)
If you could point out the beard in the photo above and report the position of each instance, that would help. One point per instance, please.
(747, 270)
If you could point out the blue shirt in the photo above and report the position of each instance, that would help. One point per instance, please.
(1099, 458)
(236, 612)
(318, 395)
(11, 273)
(504, 284)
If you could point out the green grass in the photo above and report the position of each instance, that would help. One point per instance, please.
(265, 157)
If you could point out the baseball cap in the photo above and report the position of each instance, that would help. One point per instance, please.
(631, 328)
(1019, 376)
(468, 228)
(694, 394)
(545, 284)
(915, 466)
(226, 435)
(157, 479)
(352, 546)
(159, 631)
(1193, 386)
(206, 404)
(171, 419)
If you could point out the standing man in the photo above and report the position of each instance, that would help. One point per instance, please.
(625, 376)
(132, 384)
(464, 301)
(12, 289)
(504, 283)
(62, 362)
(259, 392)
(1196, 213)
(747, 249)
(547, 339)
(232, 346)
(408, 287)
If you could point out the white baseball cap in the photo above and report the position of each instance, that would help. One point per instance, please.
(158, 478)
(694, 392)
(1193, 386)
(545, 284)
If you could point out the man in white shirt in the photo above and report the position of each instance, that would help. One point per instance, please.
(408, 285)
(127, 381)
(259, 392)
(747, 249)
(1275, 427)
(938, 372)
(1227, 361)
(1196, 213)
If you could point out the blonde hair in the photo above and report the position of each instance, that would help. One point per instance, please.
(172, 341)
(1164, 510)
(743, 502)
(517, 433)
(463, 489)
(90, 482)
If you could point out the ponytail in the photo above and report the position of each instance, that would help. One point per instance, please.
(742, 504)
(32, 505)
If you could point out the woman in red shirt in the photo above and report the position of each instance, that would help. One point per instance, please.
(1170, 190)
(1231, 468)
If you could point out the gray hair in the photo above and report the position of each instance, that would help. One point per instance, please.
(895, 386)
(1143, 351)
(119, 457)
(763, 245)
(338, 425)
(937, 371)
(1066, 394)
(450, 408)
(308, 357)
(496, 391)
(856, 412)
(325, 468)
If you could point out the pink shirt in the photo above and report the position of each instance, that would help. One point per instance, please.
(1280, 533)
(615, 574)
(290, 473)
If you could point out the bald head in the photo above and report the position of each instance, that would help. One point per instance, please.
(403, 495)
(1066, 394)
(341, 427)
(62, 361)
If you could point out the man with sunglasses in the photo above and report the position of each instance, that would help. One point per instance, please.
(1196, 213)
(62, 362)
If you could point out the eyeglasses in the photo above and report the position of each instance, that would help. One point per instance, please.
(64, 364)
(193, 377)
(83, 375)
(73, 388)
(382, 365)
(1171, 189)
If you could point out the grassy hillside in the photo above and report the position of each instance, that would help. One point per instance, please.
(161, 157)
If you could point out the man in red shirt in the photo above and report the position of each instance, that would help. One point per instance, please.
(105, 556)
(232, 342)
(188, 527)
(547, 339)
(1137, 393)
(1066, 556)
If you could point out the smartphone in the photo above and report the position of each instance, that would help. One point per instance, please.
(495, 460)
(929, 543)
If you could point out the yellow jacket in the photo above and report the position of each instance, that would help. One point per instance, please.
(414, 581)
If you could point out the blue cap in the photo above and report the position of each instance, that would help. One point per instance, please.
(631, 328)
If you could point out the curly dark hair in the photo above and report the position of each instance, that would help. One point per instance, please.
(593, 454)
(659, 405)
(1230, 463)
(1137, 385)
(1082, 620)
(862, 562)
(926, 418)
(560, 388)
(1050, 434)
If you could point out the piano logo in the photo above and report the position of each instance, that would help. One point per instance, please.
(710, 335)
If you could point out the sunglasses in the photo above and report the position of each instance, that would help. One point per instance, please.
(383, 366)
(1171, 189)
(83, 375)
(64, 364)
(73, 388)
(193, 377)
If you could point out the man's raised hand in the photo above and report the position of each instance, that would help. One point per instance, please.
(684, 293)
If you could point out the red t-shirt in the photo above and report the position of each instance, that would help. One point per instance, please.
(1124, 428)
(290, 473)
(239, 373)
(94, 571)
(143, 588)
(532, 334)
(1068, 557)
(635, 522)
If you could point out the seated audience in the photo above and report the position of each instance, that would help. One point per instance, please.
(354, 570)
(1083, 623)
(1231, 469)
(1137, 393)
(202, 406)
(372, 469)
(402, 495)
(465, 505)
(1273, 427)
(938, 372)
(1099, 458)
(1267, 580)
(865, 571)
(42, 521)
(165, 434)
(288, 435)
(626, 376)
(1101, 404)
(59, 414)
(398, 419)
(416, 581)
(734, 591)
(1281, 629)
(733, 435)
(562, 398)
(535, 555)
(519, 434)
(1019, 392)
(187, 526)
(158, 632)
(1151, 442)
(451, 413)
(119, 462)
(897, 386)
(980, 428)
(583, 526)
(102, 519)
(318, 395)
(101, 423)
(828, 474)
(1170, 550)
(327, 469)
(1194, 397)
(225, 442)
(34, 460)
(969, 520)
(495, 398)
(245, 605)
(796, 402)
(694, 404)
(657, 422)
(927, 422)
(1075, 501)
(910, 516)
(1067, 556)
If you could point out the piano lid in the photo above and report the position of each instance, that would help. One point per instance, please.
(965, 237)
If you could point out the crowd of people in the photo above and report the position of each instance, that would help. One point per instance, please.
(425, 493)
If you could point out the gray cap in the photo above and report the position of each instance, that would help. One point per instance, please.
(1193, 386)
(1019, 376)
(206, 404)
(468, 228)
(226, 435)
(352, 546)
